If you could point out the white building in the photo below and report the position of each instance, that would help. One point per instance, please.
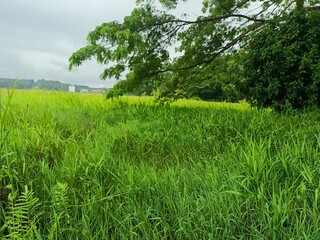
(72, 88)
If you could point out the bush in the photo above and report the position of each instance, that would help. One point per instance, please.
(282, 66)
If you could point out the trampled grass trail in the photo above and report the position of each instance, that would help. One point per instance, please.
(76, 166)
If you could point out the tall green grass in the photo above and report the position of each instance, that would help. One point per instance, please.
(75, 166)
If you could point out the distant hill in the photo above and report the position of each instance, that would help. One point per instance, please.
(46, 85)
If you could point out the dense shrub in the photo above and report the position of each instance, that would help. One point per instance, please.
(282, 67)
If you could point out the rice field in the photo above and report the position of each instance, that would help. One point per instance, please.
(77, 166)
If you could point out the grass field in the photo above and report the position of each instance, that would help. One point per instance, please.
(76, 166)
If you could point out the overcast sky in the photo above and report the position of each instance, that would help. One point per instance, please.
(37, 37)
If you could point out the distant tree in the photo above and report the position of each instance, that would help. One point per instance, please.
(137, 51)
(6, 83)
(21, 83)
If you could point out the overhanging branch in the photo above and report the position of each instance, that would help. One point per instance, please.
(212, 19)
(229, 45)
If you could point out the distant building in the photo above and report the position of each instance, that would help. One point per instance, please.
(97, 91)
(72, 88)
(84, 90)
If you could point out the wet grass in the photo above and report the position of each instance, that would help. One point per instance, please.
(75, 166)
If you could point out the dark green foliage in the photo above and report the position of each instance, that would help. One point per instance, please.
(220, 81)
(282, 67)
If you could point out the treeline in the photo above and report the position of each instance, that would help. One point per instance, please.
(32, 84)
(44, 84)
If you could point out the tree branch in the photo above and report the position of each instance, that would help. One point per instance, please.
(212, 19)
(251, 28)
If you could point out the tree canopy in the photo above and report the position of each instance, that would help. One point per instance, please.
(168, 53)
(282, 66)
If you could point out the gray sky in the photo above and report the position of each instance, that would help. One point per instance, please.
(37, 37)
